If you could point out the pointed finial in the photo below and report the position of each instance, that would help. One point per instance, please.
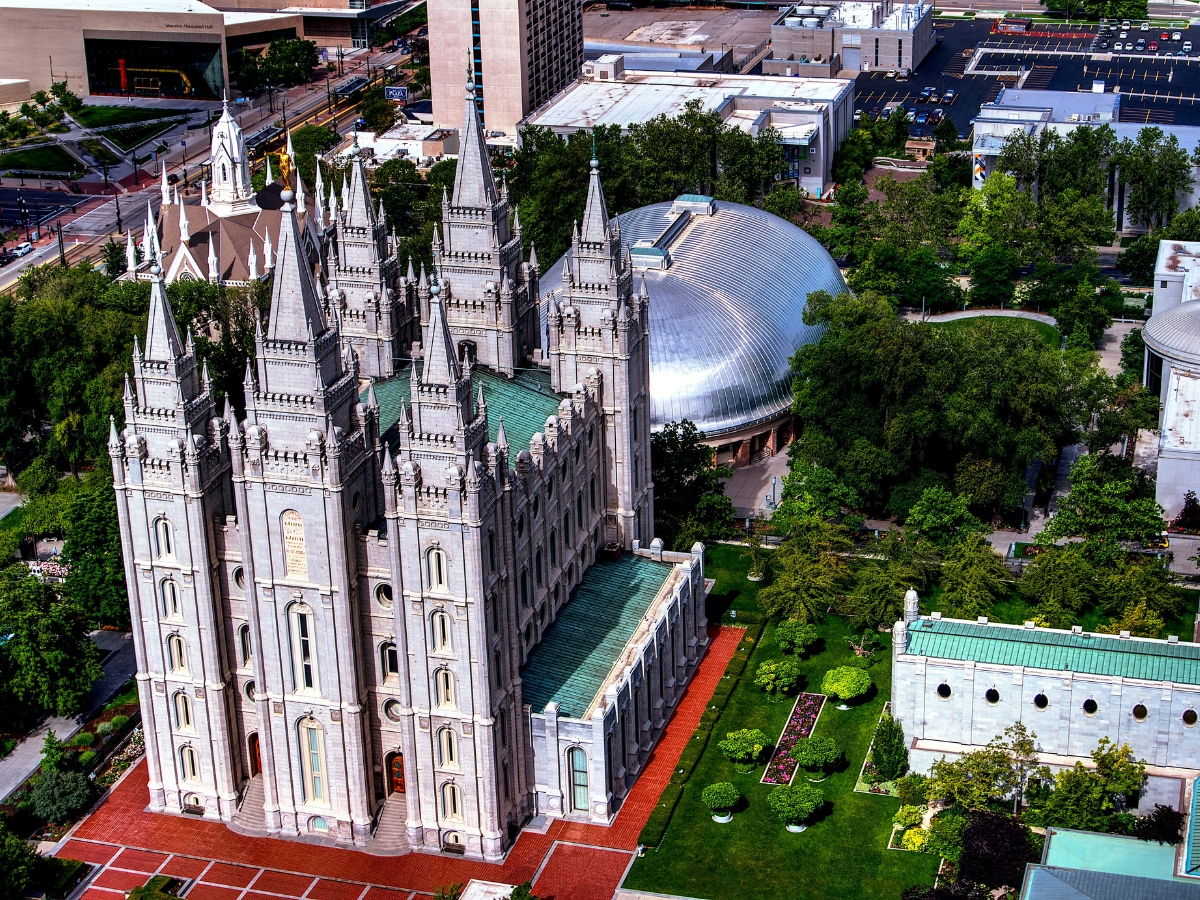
(270, 178)
(227, 413)
(113, 440)
(388, 467)
(128, 395)
(480, 402)
(595, 161)
(533, 262)
(185, 235)
(372, 400)
(470, 76)
(501, 437)
(203, 193)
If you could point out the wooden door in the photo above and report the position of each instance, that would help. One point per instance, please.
(397, 773)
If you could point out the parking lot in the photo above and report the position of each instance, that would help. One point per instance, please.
(1156, 88)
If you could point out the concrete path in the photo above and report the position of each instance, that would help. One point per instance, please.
(1110, 346)
(119, 667)
(9, 500)
(975, 313)
(750, 485)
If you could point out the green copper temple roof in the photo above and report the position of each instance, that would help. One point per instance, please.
(525, 402)
(579, 650)
(1040, 648)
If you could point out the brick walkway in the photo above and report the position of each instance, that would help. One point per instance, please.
(570, 861)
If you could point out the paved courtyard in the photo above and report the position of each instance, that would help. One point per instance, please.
(568, 861)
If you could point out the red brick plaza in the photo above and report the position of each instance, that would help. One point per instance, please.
(570, 861)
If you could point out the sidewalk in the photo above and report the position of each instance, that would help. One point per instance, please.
(118, 669)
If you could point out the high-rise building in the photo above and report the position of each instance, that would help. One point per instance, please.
(521, 52)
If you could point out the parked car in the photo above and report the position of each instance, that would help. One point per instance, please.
(22, 249)
(1123, 34)
(1153, 45)
(903, 74)
(891, 73)
(935, 117)
(1118, 46)
(874, 112)
(935, 97)
(1104, 45)
(926, 93)
(949, 96)
(1165, 36)
(922, 118)
(886, 114)
(1145, 26)
(1187, 46)
(1176, 35)
(1125, 24)
(1141, 45)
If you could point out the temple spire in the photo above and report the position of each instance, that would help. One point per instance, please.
(185, 236)
(441, 364)
(295, 310)
(165, 188)
(595, 214)
(270, 178)
(131, 260)
(162, 336)
(474, 183)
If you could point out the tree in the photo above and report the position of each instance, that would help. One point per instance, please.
(523, 891)
(60, 796)
(1103, 508)
(808, 574)
(39, 479)
(1121, 774)
(988, 485)
(1082, 308)
(1138, 259)
(995, 850)
(743, 748)
(1060, 582)
(942, 518)
(794, 804)
(376, 110)
(1164, 825)
(18, 865)
(1133, 353)
(289, 62)
(1189, 513)
(778, 677)
(1130, 581)
(973, 578)
(973, 780)
(112, 255)
(1157, 170)
(993, 269)
(1019, 744)
(878, 594)
(1077, 801)
(48, 662)
(816, 755)
(92, 549)
(309, 141)
(785, 202)
(945, 837)
(795, 637)
(889, 752)
(999, 214)
(52, 752)
(907, 277)
(720, 797)
(687, 487)
(845, 683)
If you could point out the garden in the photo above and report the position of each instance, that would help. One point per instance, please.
(50, 158)
(837, 845)
(104, 116)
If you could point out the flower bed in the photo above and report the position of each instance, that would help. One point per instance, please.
(800, 724)
(868, 781)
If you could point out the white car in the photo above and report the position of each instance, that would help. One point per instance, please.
(1187, 46)
(23, 248)
(1145, 26)
(1118, 46)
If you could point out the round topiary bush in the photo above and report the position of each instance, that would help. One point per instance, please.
(743, 748)
(816, 755)
(778, 677)
(908, 816)
(845, 683)
(794, 804)
(61, 796)
(105, 728)
(795, 637)
(721, 797)
(82, 739)
(86, 758)
(119, 722)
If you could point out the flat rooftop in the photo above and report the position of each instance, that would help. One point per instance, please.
(1054, 650)
(577, 653)
(1112, 853)
(1062, 104)
(133, 6)
(524, 402)
(643, 95)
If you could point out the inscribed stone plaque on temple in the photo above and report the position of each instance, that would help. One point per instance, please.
(293, 545)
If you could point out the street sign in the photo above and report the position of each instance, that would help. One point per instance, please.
(399, 94)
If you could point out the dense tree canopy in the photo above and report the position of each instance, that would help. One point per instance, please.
(689, 498)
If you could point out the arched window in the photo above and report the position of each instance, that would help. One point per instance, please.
(592, 492)
(577, 760)
(636, 473)
(579, 510)
(498, 663)
(440, 623)
(536, 505)
(189, 765)
(239, 578)
(503, 726)
(633, 421)
(176, 654)
(383, 596)
(447, 748)
(312, 761)
(389, 661)
(170, 597)
(539, 567)
(247, 650)
(492, 550)
(549, 487)
(443, 687)
(567, 527)
(524, 587)
(183, 711)
(451, 802)
(304, 655)
(435, 569)
(553, 547)
(224, 173)
(164, 538)
(496, 616)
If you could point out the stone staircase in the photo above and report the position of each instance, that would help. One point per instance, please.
(249, 817)
(391, 833)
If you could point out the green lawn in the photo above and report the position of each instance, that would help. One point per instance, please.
(130, 136)
(842, 856)
(1048, 332)
(40, 159)
(100, 116)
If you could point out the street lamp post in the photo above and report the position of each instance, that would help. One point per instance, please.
(117, 200)
(62, 255)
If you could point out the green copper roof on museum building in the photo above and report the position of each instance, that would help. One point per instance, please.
(579, 650)
(525, 402)
(1056, 651)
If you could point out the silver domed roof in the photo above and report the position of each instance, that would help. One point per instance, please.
(1175, 334)
(725, 315)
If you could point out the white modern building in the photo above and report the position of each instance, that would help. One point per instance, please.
(810, 39)
(813, 115)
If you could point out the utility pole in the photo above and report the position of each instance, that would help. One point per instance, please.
(62, 255)
(328, 96)
(117, 200)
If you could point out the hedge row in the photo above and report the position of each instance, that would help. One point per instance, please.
(656, 825)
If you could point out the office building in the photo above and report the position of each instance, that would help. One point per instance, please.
(856, 36)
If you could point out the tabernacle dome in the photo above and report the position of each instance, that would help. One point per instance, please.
(727, 286)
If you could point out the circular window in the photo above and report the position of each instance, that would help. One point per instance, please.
(1140, 713)
(549, 487)
(1041, 701)
(318, 823)
(383, 595)
(536, 504)
(521, 525)
(1090, 707)
(392, 710)
(239, 577)
(992, 696)
(943, 691)
(1189, 717)
(249, 689)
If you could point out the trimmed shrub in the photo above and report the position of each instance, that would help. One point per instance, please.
(720, 797)
(105, 728)
(691, 756)
(889, 754)
(914, 839)
(60, 796)
(945, 836)
(845, 683)
(660, 817)
(86, 758)
(82, 739)
(743, 748)
(795, 637)
(908, 816)
(723, 691)
(816, 754)
(913, 789)
(778, 677)
(794, 804)
(119, 722)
